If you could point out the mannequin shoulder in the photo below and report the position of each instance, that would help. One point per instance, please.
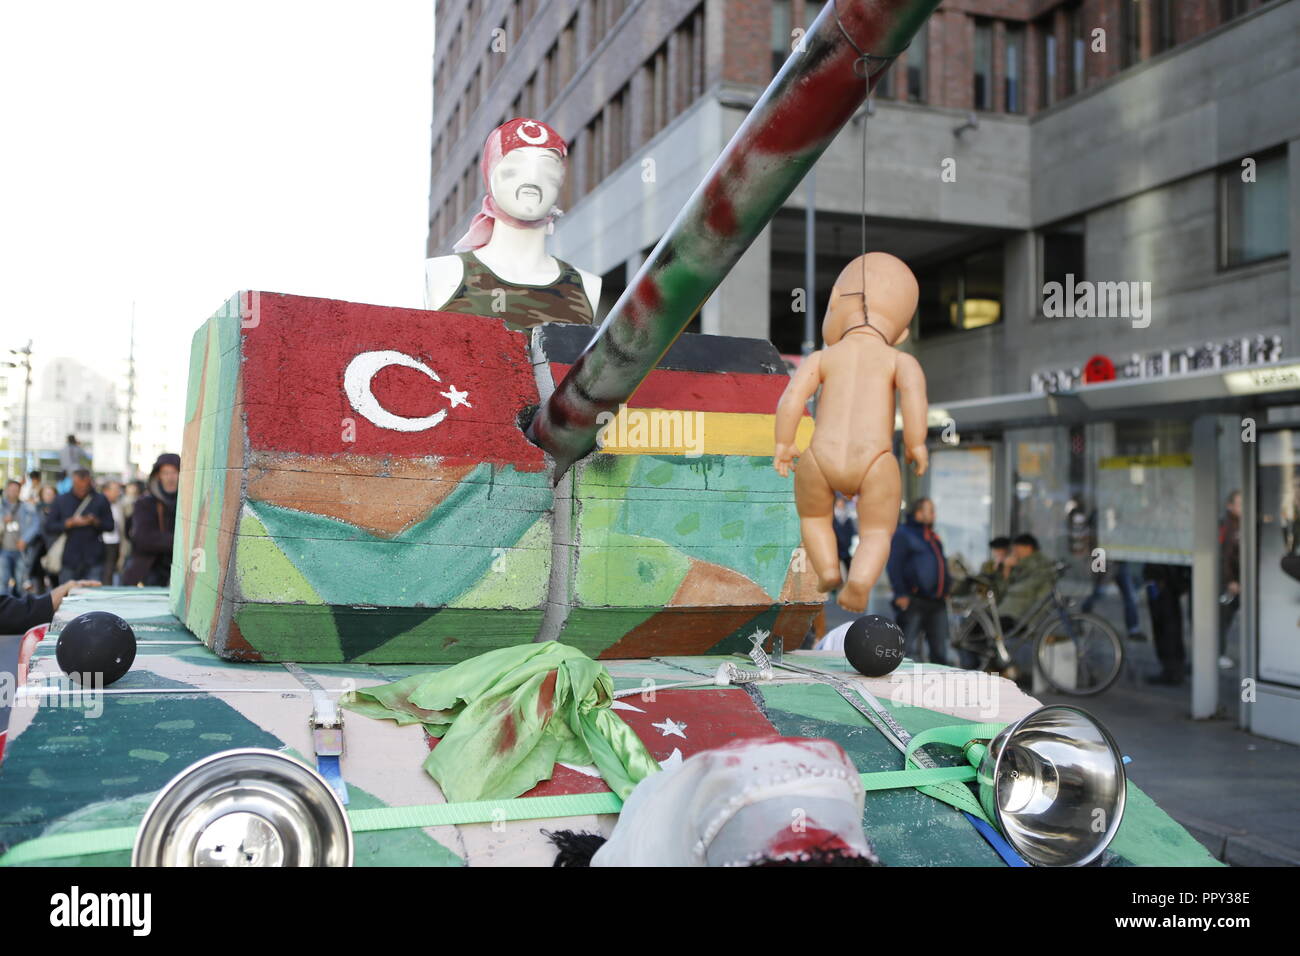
(591, 285)
(442, 275)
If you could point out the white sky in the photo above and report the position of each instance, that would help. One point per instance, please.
(172, 153)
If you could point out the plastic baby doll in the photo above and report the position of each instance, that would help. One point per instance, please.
(871, 306)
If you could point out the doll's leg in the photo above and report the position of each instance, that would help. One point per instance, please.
(878, 500)
(816, 503)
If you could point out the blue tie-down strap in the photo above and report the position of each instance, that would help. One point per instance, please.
(995, 839)
(329, 768)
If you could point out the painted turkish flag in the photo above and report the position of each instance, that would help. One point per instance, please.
(675, 725)
(322, 377)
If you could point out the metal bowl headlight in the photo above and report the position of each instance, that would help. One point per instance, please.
(248, 807)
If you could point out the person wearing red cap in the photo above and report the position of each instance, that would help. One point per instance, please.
(501, 268)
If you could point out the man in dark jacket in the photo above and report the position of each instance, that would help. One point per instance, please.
(153, 526)
(918, 572)
(20, 614)
(83, 514)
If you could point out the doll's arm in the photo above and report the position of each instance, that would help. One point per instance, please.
(915, 406)
(790, 409)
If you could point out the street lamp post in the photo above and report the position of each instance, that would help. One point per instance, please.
(25, 363)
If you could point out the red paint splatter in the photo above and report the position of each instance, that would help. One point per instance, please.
(719, 212)
(790, 842)
(546, 697)
(647, 293)
(509, 735)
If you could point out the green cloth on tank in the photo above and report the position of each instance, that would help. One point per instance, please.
(505, 717)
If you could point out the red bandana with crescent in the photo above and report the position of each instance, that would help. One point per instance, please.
(515, 134)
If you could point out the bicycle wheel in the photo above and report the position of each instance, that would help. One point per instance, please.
(972, 639)
(1082, 655)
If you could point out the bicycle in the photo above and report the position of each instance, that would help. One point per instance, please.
(1074, 651)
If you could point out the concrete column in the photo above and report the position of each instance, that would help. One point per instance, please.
(1205, 567)
(741, 305)
(1021, 300)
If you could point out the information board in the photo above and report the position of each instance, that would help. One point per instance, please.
(1144, 508)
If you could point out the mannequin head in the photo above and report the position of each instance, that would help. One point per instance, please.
(891, 297)
(523, 171)
(526, 182)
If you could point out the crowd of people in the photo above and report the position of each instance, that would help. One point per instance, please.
(922, 581)
(69, 533)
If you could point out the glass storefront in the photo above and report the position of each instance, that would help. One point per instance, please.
(1278, 555)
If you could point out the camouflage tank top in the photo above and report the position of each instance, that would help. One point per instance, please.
(482, 292)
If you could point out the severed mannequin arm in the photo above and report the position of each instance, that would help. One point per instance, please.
(789, 410)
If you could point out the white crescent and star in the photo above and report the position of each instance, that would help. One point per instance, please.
(532, 139)
(357, 384)
(671, 728)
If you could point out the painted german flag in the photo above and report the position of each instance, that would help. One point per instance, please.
(709, 395)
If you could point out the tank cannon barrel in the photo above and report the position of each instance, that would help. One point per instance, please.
(813, 96)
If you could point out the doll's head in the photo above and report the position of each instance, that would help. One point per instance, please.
(890, 299)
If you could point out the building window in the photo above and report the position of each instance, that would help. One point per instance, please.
(1162, 27)
(685, 49)
(596, 155)
(918, 56)
(1254, 216)
(552, 74)
(983, 65)
(1076, 48)
(1231, 9)
(781, 35)
(962, 293)
(620, 132)
(658, 69)
(1061, 253)
(568, 52)
(1047, 76)
(1131, 29)
(1014, 69)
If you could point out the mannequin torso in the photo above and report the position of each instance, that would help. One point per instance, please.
(516, 256)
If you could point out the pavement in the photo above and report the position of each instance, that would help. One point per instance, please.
(1237, 793)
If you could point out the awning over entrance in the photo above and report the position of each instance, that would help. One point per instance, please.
(1213, 391)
